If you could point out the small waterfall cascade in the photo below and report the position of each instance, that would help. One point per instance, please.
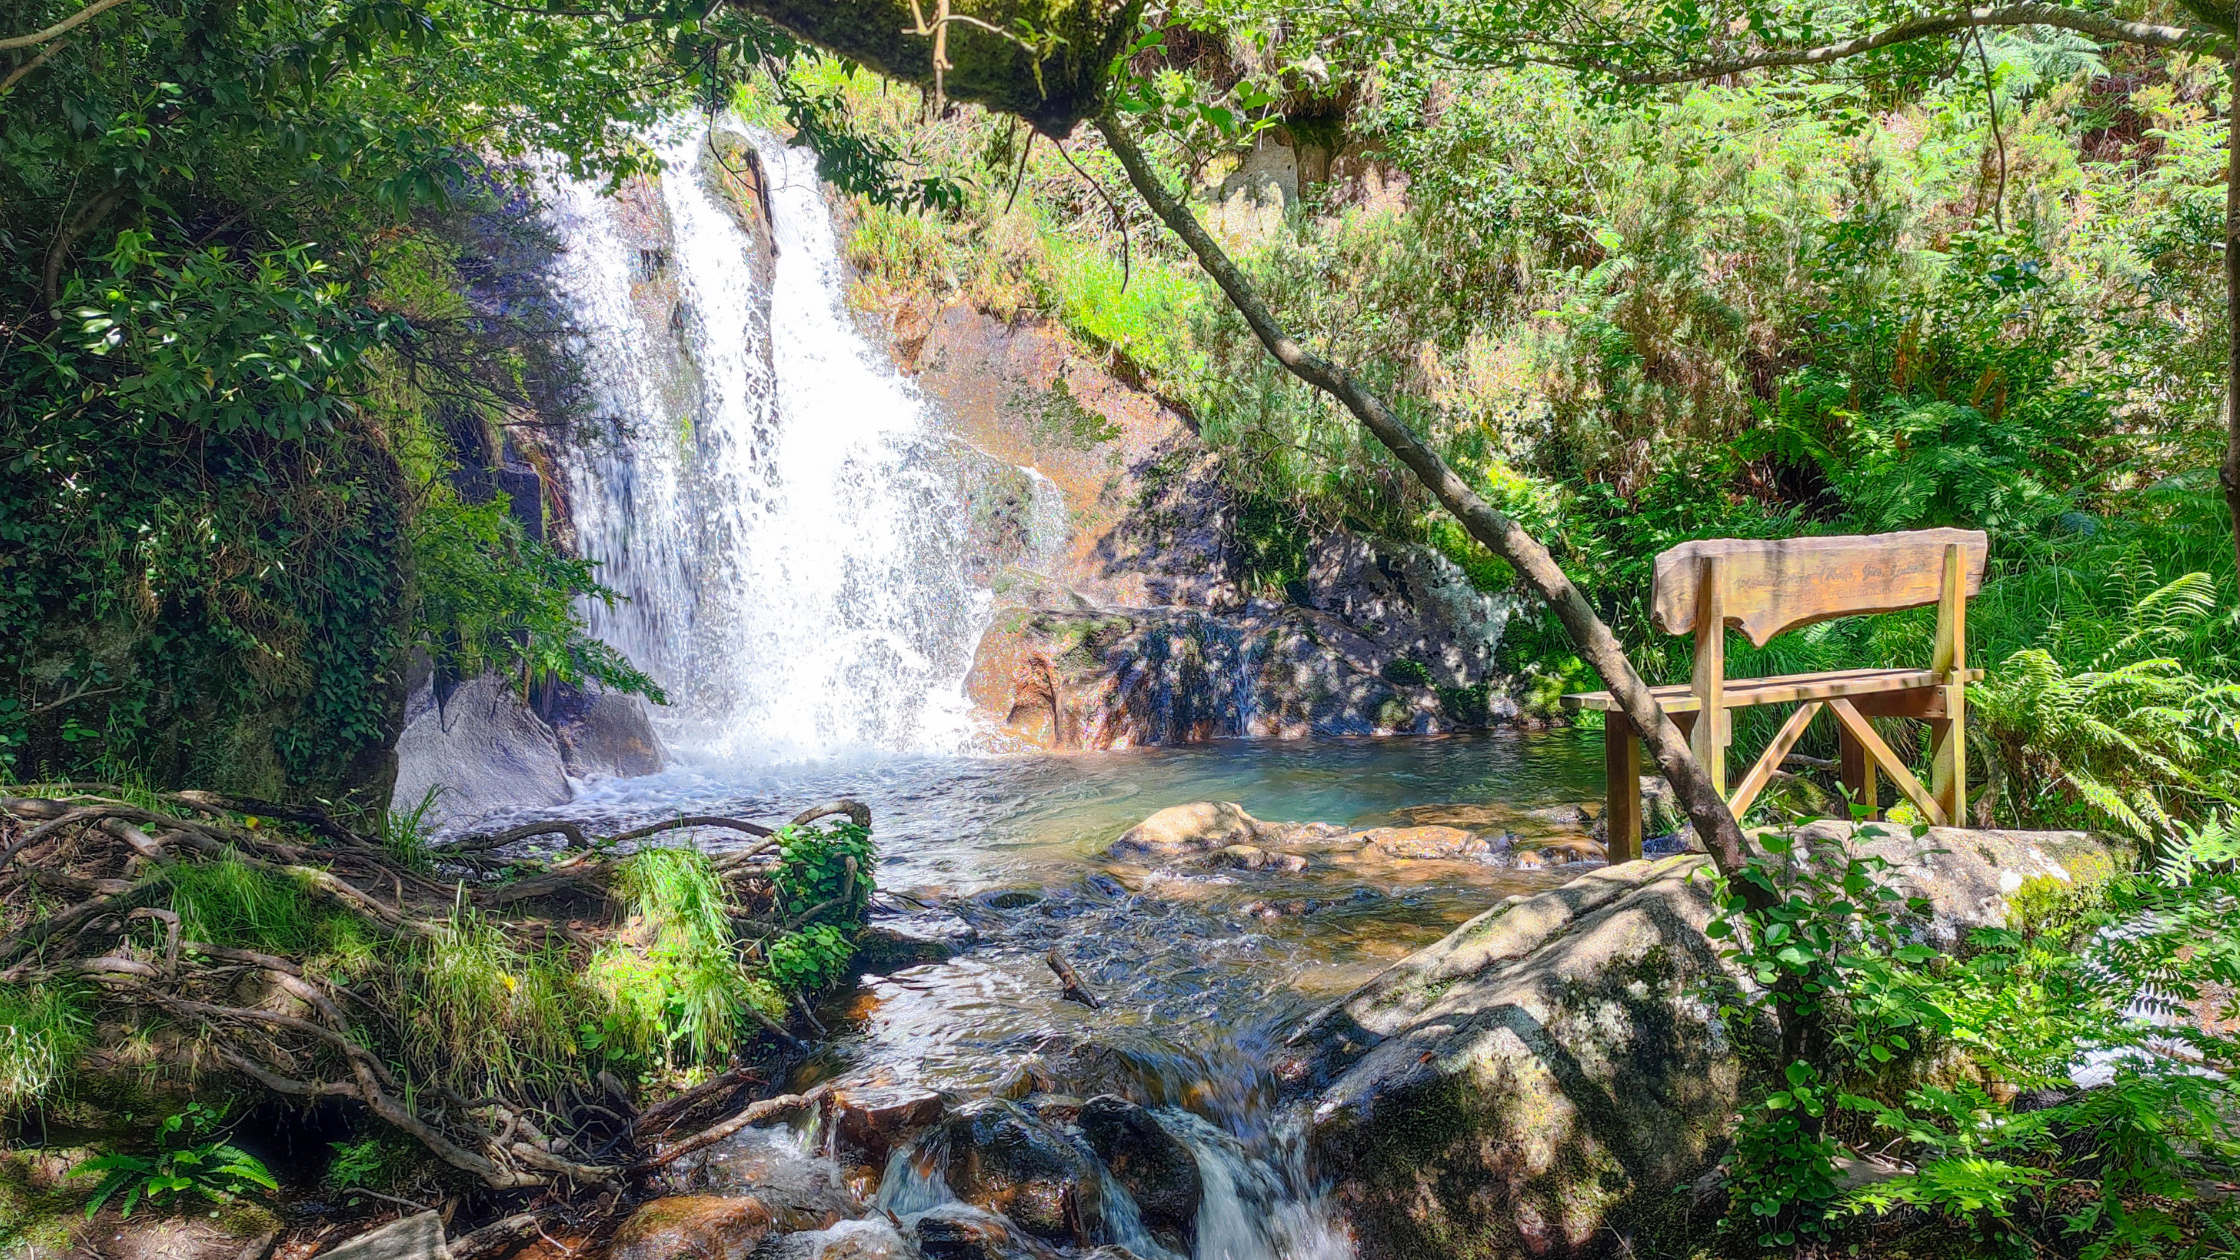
(768, 495)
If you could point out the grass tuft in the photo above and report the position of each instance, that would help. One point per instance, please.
(42, 1029)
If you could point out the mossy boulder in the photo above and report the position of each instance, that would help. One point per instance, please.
(1537, 1083)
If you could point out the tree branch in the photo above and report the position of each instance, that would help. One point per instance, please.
(63, 27)
(2152, 35)
(1706, 808)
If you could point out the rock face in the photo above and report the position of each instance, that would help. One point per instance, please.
(693, 1227)
(1528, 1084)
(1007, 1160)
(1112, 545)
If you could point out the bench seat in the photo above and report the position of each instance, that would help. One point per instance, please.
(1782, 689)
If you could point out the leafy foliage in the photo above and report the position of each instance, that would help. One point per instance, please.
(825, 868)
(211, 1169)
(2123, 975)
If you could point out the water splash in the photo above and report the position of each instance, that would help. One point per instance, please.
(773, 498)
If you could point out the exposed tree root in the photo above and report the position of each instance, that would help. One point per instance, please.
(85, 876)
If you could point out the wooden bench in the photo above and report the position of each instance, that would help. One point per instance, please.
(1765, 588)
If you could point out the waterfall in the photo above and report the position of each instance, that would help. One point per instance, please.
(768, 495)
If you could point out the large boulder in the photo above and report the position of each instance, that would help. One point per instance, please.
(478, 749)
(1006, 1159)
(1532, 1083)
(1184, 830)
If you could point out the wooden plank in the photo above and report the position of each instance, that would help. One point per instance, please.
(1709, 742)
(1771, 586)
(1744, 693)
(1858, 773)
(1887, 761)
(1621, 802)
(1746, 794)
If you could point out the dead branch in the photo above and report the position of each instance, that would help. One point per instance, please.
(1075, 988)
(658, 1118)
(767, 1109)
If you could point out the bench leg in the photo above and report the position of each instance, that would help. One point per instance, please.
(1858, 774)
(1621, 805)
(1948, 755)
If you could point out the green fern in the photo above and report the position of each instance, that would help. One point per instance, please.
(2136, 739)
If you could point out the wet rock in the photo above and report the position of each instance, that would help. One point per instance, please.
(1157, 1167)
(959, 1231)
(1183, 830)
(1517, 1087)
(871, 1122)
(1005, 1159)
(412, 1238)
(892, 942)
(873, 1238)
(800, 1191)
(601, 733)
(1246, 857)
(693, 1227)
(1434, 842)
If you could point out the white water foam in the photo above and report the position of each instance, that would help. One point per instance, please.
(774, 507)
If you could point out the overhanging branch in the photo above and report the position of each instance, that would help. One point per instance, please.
(2148, 34)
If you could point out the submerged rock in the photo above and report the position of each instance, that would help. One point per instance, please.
(1158, 1168)
(1006, 1159)
(1449, 843)
(959, 1231)
(693, 1227)
(1186, 830)
(1528, 1085)
(799, 1191)
(869, 1239)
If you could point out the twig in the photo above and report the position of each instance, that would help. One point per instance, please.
(668, 1111)
(1021, 177)
(1075, 988)
(1109, 204)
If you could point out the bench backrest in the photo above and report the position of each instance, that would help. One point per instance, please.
(1766, 587)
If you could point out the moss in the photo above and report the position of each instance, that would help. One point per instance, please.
(38, 1207)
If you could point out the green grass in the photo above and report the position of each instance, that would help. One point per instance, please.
(478, 1008)
(42, 1029)
(228, 903)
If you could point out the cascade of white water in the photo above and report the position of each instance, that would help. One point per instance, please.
(773, 506)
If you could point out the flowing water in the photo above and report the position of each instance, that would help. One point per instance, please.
(777, 506)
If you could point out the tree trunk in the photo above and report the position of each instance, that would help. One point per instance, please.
(2230, 473)
(1703, 803)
